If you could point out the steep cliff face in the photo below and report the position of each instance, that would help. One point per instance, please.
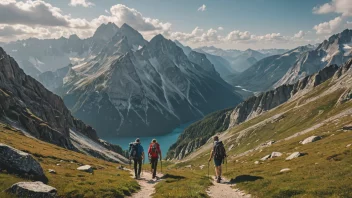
(197, 135)
(26, 104)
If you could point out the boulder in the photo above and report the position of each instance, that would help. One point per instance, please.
(265, 157)
(285, 170)
(348, 145)
(311, 139)
(21, 163)
(256, 162)
(52, 171)
(188, 166)
(275, 154)
(33, 190)
(294, 155)
(86, 168)
(272, 155)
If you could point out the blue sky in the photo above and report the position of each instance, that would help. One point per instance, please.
(244, 23)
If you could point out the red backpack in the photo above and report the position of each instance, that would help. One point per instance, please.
(153, 148)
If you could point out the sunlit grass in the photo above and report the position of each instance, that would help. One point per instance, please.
(107, 180)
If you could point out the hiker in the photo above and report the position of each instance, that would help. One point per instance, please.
(154, 153)
(219, 154)
(137, 154)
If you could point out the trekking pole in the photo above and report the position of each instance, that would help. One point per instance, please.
(208, 170)
(161, 165)
(143, 164)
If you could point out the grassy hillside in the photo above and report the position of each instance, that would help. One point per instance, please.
(323, 171)
(107, 180)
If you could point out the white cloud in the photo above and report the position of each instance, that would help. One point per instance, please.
(83, 3)
(329, 27)
(36, 18)
(121, 14)
(343, 7)
(299, 34)
(206, 37)
(202, 8)
(31, 13)
(238, 36)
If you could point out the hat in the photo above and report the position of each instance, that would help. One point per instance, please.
(138, 140)
(154, 140)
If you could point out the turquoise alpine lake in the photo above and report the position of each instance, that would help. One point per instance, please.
(165, 141)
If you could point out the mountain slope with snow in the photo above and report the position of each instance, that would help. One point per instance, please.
(147, 91)
(265, 73)
(296, 64)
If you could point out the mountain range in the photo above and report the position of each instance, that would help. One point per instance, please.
(135, 85)
(36, 56)
(240, 60)
(295, 64)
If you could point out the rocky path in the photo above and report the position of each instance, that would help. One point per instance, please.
(224, 189)
(147, 184)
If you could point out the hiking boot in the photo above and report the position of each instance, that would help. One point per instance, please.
(218, 180)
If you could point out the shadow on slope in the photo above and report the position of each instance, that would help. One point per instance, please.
(245, 178)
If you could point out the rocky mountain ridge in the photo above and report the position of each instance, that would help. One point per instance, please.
(221, 65)
(149, 90)
(28, 106)
(296, 64)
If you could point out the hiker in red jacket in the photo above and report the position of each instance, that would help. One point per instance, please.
(154, 152)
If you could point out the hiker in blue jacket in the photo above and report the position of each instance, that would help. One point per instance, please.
(137, 154)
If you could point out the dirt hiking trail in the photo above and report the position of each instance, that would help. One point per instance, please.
(147, 184)
(224, 189)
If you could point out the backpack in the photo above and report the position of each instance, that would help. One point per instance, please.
(154, 149)
(134, 150)
(219, 151)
